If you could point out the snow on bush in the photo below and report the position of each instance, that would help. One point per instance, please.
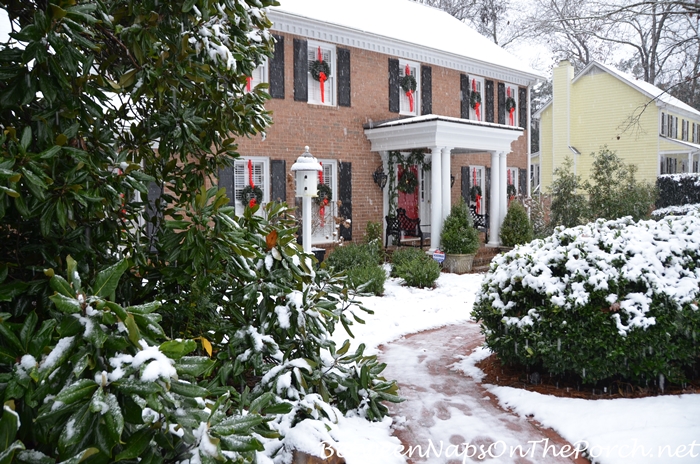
(606, 299)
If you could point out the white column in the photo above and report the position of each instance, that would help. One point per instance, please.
(503, 172)
(385, 192)
(446, 189)
(495, 202)
(690, 161)
(435, 197)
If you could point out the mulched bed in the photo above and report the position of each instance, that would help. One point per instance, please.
(571, 387)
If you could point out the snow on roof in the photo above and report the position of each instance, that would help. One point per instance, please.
(407, 21)
(650, 89)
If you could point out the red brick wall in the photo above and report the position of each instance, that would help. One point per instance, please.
(337, 133)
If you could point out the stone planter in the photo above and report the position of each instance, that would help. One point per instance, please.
(458, 264)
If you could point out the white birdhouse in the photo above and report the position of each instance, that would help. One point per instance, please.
(306, 171)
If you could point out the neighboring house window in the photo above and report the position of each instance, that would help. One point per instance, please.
(684, 129)
(258, 76)
(260, 168)
(664, 129)
(405, 105)
(512, 92)
(693, 134)
(479, 85)
(323, 226)
(327, 53)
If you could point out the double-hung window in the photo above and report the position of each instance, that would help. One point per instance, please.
(408, 101)
(511, 105)
(321, 85)
(664, 127)
(476, 86)
(512, 179)
(255, 169)
(477, 179)
(323, 226)
(258, 76)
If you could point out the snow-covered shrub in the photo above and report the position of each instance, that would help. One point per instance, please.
(678, 189)
(606, 299)
(516, 228)
(99, 380)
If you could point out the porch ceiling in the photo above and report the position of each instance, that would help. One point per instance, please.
(441, 131)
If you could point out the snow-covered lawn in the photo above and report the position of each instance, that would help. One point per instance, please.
(660, 429)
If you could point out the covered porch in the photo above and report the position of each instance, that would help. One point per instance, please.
(441, 136)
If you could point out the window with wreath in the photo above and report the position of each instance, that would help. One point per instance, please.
(476, 97)
(251, 182)
(511, 105)
(477, 188)
(409, 82)
(512, 183)
(325, 208)
(258, 76)
(321, 77)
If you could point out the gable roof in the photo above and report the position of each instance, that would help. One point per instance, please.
(662, 97)
(398, 23)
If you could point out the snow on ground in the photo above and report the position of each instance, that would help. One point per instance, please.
(664, 429)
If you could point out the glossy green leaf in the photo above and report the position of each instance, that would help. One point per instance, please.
(66, 304)
(108, 279)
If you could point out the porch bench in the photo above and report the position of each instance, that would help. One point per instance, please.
(403, 229)
(480, 221)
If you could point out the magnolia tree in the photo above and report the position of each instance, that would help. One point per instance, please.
(189, 308)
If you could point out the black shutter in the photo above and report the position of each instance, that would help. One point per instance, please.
(522, 101)
(301, 70)
(663, 124)
(426, 89)
(487, 193)
(226, 181)
(501, 103)
(464, 96)
(278, 177)
(345, 197)
(343, 77)
(522, 174)
(154, 215)
(466, 183)
(277, 69)
(489, 101)
(393, 85)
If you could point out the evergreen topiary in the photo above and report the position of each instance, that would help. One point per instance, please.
(516, 228)
(458, 234)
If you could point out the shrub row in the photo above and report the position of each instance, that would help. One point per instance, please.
(678, 189)
(614, 299)
(362, 264)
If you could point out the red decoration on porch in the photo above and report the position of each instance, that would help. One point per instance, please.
(322, 208)
(322, 77)
(478, 197)
(477, 104)
(248, 81)
(510, 187)
(252, 201)
(409, 92)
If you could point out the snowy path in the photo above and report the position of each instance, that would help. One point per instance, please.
(449, 409)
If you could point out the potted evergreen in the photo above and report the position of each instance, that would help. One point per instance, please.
(459, 240)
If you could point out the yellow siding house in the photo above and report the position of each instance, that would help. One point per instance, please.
(603, 106)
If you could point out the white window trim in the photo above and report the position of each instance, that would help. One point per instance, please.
(404, 105)
(265, 179)
(330, 87)
(479, 85)
(326, 235)
(514, 94)
(260, 75)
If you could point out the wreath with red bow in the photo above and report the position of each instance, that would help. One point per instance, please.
(510, 104)
(325, 194)
(318, 67)
(408, 83)
(249, 193)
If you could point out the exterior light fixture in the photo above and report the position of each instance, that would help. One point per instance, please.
(380, 177)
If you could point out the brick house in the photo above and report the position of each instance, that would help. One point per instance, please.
(360, 119)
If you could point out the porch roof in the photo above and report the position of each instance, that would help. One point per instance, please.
(688, 147)
(441, 131)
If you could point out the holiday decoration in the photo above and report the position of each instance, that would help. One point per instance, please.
(408, 85)
(320, 71)
(475, 100)
(251, 195)
(248, 81)
(324, 197)
(510, 107)
(475, 193)
(408, 181)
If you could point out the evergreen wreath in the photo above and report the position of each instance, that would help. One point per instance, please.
(318, 67)
(248, 193)
(474, 192)
(510, 104)
(324, 193)
(408, 182)
(474, 98)
(510, 190)
(408, 82)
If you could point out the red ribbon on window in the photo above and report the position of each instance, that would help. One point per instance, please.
(409, 93)
(477, 105)
(322, 208)
(248, 80)
(478, 197)
(322, 77)
(510, 182)
(512, 111)
(252, 201)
